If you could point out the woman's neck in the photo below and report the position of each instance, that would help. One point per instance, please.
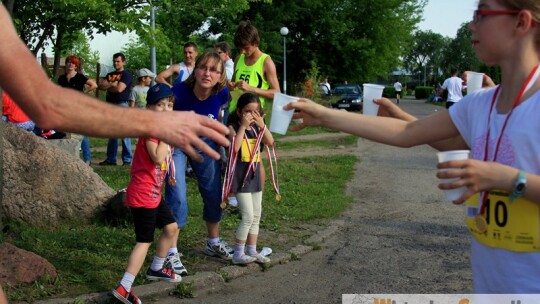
(201, 93)
(513, 76)
(71, 73)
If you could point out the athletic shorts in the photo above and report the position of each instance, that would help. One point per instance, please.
(147, 219)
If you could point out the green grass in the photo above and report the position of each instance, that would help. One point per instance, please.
(92, 258)
(348, 141)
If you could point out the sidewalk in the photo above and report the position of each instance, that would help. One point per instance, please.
(208, 280)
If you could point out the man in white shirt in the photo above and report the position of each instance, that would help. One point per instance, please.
(326, 86)
(454, 85)
(222, 48)
(397, 87)
(182, 69)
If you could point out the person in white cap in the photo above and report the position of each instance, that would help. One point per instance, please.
(139, 91)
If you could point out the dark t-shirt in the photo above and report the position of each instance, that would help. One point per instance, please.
(124, 77)
(253, 181)
(187, 101)
(77, 82)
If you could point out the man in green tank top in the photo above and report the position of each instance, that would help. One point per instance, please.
(254, 71)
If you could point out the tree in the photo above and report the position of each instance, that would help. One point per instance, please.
(426, 53)
(201, 21)
(80, 47)
(461, 55)
(43, 22)
(354, 40)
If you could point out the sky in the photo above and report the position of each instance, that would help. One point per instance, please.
(445, 16)
(440, 16)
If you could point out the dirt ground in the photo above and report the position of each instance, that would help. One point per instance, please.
(399, 236)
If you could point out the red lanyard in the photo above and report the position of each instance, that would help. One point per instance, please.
(171, 167)
(231, 165)
(524, 88)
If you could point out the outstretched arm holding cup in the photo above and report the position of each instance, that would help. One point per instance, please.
(389, 109)
(476, 175)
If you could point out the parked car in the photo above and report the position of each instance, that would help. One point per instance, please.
(349, 97)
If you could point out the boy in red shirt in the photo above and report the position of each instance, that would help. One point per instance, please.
(150, 164)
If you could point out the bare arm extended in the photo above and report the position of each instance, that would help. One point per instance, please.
(53, 107)
(474, 174)
(385, 130)
(388, 109)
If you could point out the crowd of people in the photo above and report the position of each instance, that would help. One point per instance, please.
(183, 123)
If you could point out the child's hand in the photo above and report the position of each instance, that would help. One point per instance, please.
(247, 120)
(259, 120)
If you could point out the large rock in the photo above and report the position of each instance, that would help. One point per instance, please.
(44, 185)
(21, 266)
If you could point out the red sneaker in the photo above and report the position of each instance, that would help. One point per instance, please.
(126, 297)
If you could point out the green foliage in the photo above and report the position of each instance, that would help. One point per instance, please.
(184, 20)
(460, 53)
(389, 92)
(184, 290)
(39, 22)
(421, 92)
(355, 40)
(77, 44)
(426, 54)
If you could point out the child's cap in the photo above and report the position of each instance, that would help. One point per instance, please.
(158, 92)
(145, 72)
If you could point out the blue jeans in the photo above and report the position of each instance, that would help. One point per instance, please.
(85, 147)
(112, 146)
(208, 175)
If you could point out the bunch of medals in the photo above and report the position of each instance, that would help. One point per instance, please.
(231, 165)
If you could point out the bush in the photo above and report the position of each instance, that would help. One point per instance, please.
(421, 92)
(389, 92)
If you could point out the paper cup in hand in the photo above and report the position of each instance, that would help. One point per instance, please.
(474, 82)
(279, 123)
(371, 91)
(452, 194)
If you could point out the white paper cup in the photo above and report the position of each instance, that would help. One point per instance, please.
(279, 123)
(371, 91)
(474, 81)
(452, 194)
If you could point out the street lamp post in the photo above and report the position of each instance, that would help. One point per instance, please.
(284, 31)
(424, 75)
(153, 48)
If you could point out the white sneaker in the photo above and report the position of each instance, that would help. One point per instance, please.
(218, 250)
(176, 264)
(261, 259)
(244, 259)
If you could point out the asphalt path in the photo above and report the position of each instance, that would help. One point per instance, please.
(399, 236)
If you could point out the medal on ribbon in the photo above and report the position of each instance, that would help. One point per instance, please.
(172, 168)
(481, 223)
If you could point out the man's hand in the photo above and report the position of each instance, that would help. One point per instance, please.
(184, 129)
